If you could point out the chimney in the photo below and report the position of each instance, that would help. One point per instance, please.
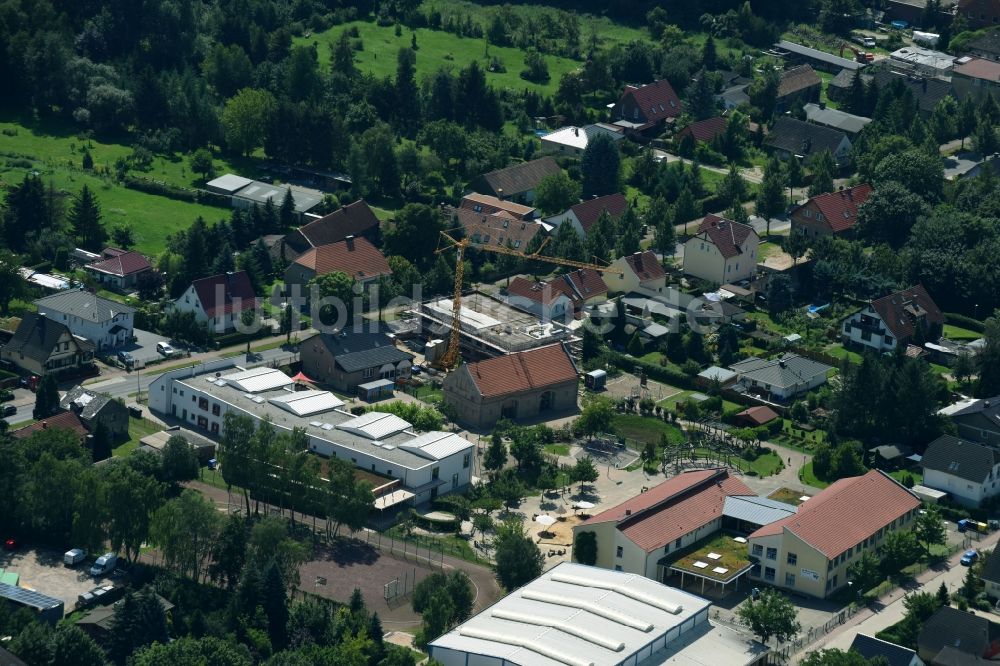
(576, 131)
(628, 512)
(45, 424)
(349, 239)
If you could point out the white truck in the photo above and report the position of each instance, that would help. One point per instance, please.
(73, 557)
(104, 565)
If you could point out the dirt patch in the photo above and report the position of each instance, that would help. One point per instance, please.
(351, 564)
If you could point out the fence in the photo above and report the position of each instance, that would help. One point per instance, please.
(784, 653)
(428, 552)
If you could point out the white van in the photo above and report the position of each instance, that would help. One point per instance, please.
(73, 557)
(104, 565)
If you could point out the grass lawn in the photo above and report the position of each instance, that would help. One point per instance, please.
(137, 429)
(557, 449)
(429, 394)
(767, 464)
(837, 350)
(644, 429)
(435, 49)
(901, 474)
(675, 399)
(807, 477)
(152, 217)
(786, 495)
(733, 556)
(451, 544)
(953, 332)
(766, 249)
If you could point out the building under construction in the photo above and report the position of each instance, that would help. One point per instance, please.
(489, 327)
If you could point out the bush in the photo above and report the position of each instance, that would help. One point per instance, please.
(956, 319)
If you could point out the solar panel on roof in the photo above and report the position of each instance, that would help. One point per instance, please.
(28, 597)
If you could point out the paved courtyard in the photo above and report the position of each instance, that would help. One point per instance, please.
(43, 571)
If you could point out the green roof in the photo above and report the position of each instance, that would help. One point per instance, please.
(9, 578)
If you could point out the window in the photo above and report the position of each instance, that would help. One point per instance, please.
(368, 373)
(677, 544)
(465, 460)
(789, 580)
(772, 553)
(436, 473)
(618, 567)
(819, 217)
(506, 223)
(792, 559)
(768, 574)
(215, 409)
(619, 551)
(203, 404)
(758, 549)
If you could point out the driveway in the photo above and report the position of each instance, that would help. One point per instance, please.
(143, 350)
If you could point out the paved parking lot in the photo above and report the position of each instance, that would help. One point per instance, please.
(143, 350)
(43, 571)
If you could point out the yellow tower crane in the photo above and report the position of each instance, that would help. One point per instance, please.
(450, 356)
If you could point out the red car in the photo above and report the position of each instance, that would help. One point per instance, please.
(10, 544)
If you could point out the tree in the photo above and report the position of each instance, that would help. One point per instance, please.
(46, 398)
(701, 100)
(132, 498)
(988, 384)
(585, 471)
(275, 605)
(634, 346)
(796, 246)
(595, 417)
(824, 168)
(770, 200)
(836, 657)
(188, 650)
(972, 585)
(942, 595)
(889, 214)
(348, 499)
(967, 119)
(201, 162)
(660, 218)
(180, 463)
(536, 69)
(601, 237)
(139, 620)
(732, 189)
(709, 57)
(864, 573)
(929, 528)
(229, 551)
(407, 107)
(184, 529)
(12, 283)
(123, 236)
(496, 454)
(686, 208)
(984, 137)
(964, 368)
(100, 445)
(629, 232)
(339, 287)
(245, 118)
(900, 549)
(27, 212)
(915, 170)
(600, 167)
(518, 560)
(556, 192)
(770, 615)
(85, 221)
(779, 293)
(585, 548)
(414, 234)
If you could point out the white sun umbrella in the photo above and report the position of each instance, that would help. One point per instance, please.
(584, 505)
(545, 520)
(561, 510)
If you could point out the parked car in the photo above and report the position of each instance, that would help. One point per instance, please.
(125, 358)
(969, 558)
(164, 348)
(74, 556)
(104, 565)
(9, 410)
(91, 598)
(10, 544)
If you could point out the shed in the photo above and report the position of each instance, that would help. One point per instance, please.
(376, 390)
(756, 416)
(48, 608)
(595, 380)
(716, 374)
(928, 494)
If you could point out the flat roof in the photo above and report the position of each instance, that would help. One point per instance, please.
(229, 182)
(493, 321)
(817, 55)
(323, 425)
(917, 55)
(27, 597)
(258, 192)
(575, 615)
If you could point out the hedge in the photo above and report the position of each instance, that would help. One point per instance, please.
(963, 321)
(660, 373)
(180, 193)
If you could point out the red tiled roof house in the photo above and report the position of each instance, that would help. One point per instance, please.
(561, 297)
(118, 269)
(584, 215)
(518, 386)
(831, 213)
(638, 272)
(703, 131)
(219, 300)
(645, 534)
(355, 219)
(356, 257)
(810, 551)
(894, 320)
(647, 107)
(722, 251)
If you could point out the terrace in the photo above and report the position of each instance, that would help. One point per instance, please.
(719, 560)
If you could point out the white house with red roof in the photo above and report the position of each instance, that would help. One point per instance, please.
(642, 108)
(810, 552)
(723, 251)
(522, 385)
(118, 269)
(563, 297)
(644, 534)
(219, 300)
(894, 320)
(640, 272)
(830, 213)
(584, 215)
